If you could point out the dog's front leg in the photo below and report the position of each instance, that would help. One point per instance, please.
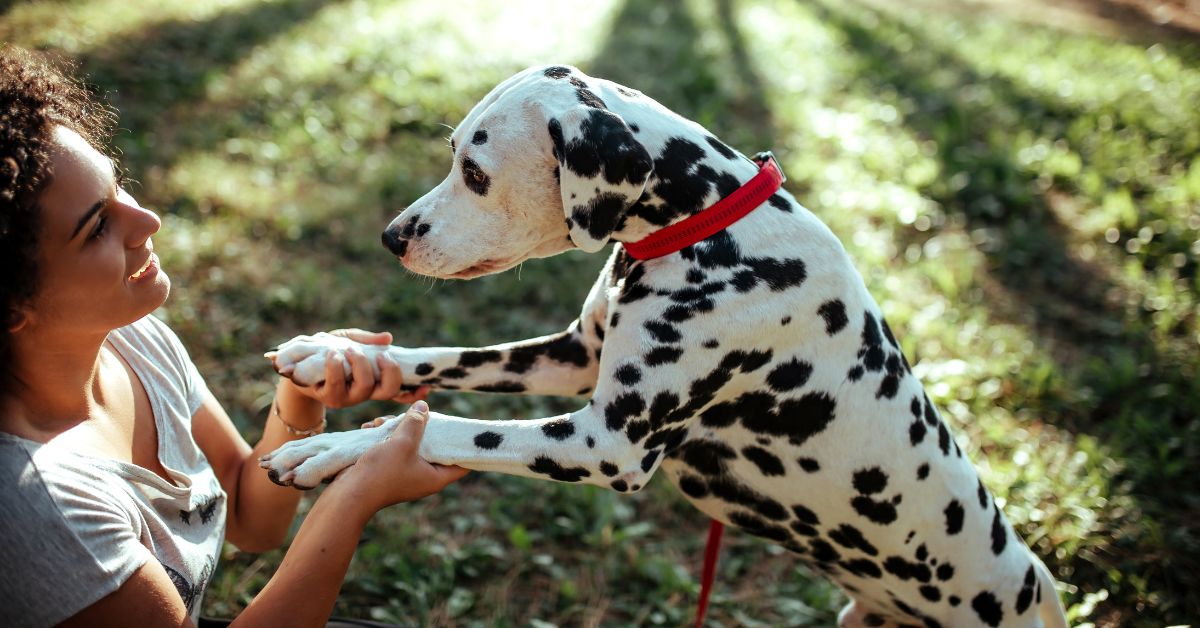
(565, 363)
(579, 447)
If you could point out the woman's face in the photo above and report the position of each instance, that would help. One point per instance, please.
(97, 264)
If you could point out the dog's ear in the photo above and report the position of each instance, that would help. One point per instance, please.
(602, 171)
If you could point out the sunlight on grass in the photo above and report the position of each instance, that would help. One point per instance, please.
(77, 27)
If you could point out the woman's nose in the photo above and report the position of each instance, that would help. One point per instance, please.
(143, 223)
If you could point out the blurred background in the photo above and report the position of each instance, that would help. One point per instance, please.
(1018, 181)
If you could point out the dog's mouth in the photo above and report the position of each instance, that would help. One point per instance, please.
(477, 269)
(486, 267)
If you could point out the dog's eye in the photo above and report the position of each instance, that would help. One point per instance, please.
(476, 179)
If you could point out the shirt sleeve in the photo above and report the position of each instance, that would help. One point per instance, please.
(68, 541)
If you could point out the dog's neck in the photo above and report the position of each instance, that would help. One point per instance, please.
(692, 168)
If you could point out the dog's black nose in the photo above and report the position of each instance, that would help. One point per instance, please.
(394, 242)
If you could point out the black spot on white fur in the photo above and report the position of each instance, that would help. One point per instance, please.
(629, 375)
(988, 608)
(768, 463)
(488, 440)
(954, 517)
(1025, 597)
(600, 213)
(605, 148)
(720, 147)
(548, 466)
(789, 375)
(561, 429)
(834, 313)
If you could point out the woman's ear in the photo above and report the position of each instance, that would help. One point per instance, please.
(19, 318)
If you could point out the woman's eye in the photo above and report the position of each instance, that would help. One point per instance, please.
(100, 228)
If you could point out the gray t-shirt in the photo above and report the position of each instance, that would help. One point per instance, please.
(74, 527)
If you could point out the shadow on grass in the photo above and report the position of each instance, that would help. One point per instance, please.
(654, 47)
(1072, 305)
(166, 68)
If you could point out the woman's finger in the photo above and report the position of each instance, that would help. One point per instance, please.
(390, 378)
(448, 474)
(334, 389)
(410, 397)
(376, 422)
(362, 376)
(364, 336)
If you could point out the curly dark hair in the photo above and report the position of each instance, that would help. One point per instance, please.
(37, 93)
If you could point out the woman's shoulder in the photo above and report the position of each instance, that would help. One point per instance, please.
(52, 492)
(56, 480)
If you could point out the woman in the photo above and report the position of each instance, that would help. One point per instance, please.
(120, 473)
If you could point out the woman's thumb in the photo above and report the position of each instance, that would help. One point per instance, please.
(371, 337)
(412, 426)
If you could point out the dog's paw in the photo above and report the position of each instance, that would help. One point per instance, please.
(303, 358)
(306, 463)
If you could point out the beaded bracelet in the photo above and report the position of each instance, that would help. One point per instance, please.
(293, 431)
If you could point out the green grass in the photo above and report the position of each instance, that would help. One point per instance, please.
(1023, 200)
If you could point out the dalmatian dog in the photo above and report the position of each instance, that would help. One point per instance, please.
(752, 367)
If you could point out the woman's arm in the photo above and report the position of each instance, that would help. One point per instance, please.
(307, 582)
(259, 511)
(304, 588)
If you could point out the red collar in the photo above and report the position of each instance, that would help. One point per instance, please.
(709, 221)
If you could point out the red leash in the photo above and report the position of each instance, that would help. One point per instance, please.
(711, 551)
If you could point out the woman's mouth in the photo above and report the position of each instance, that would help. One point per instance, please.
(147, 270)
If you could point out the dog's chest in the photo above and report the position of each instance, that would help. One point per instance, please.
(804, 423)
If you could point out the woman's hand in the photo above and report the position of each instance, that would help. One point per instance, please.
(393, 471)
(338, 392)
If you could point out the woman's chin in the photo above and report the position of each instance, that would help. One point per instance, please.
(158, 291)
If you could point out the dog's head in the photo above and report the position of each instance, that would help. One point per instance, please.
(541, 165)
